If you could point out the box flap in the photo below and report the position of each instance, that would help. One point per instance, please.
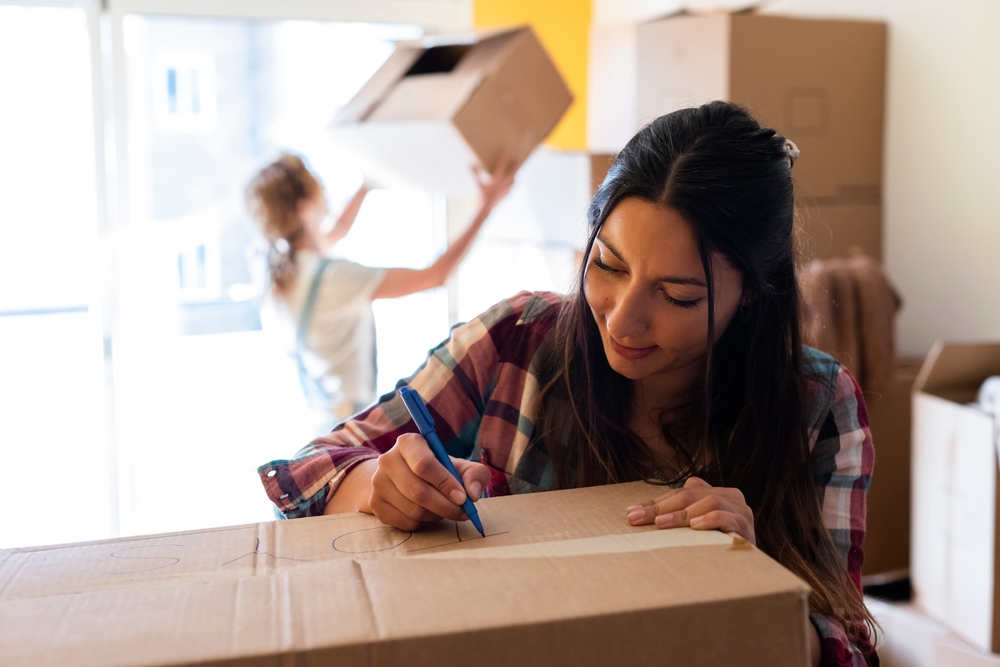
(958, 367)
(426, 56)
(381, 83)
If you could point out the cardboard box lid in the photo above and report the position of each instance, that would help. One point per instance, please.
(561, 578)
(956, 370)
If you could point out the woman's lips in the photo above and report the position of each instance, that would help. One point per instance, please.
(631, 352)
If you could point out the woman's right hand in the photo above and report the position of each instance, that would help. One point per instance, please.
(410, 488)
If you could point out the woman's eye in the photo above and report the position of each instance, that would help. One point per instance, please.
(604, 267)
(682, 304)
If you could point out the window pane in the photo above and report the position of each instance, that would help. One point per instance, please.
(53, 422)
(204, 394)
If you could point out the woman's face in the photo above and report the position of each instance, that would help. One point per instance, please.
(646, 288)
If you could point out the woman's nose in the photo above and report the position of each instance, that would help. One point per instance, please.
(629, 316)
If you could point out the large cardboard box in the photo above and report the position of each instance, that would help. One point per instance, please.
(442, 104)
(560, 579)
(819, 82)
(887, 538)
(954, 531)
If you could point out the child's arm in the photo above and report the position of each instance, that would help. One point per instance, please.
(493, 188)
(344, 222)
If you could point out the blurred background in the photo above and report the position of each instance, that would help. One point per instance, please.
(138, 390)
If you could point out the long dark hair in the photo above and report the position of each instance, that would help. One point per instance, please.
(731, 180)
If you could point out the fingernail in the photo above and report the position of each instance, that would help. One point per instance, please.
(636, 515)
(457, 496)
(632, 508)
(475, 490)
(695, 522)
(665, 520)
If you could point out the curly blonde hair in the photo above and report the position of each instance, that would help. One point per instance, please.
(273, 197)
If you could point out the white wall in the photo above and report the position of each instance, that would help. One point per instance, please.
(942, 156)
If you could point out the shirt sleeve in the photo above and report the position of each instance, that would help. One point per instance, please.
(346, 285)
(453, 382)
(842, 461)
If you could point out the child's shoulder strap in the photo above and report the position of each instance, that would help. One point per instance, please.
(305, 317)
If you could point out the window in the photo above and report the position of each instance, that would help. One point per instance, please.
(138, 391)
(53, 419)
(202, 392)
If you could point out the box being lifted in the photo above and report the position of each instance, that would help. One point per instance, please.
(442, 104)
(560, 579)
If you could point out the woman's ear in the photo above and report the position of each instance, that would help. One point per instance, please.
(745, 301)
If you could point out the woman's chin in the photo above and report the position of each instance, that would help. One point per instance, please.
(630, 368)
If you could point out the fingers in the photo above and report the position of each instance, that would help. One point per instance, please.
(391, 496)
(728, 522)
(684, 515)
(504, 166)
(475, 476)
(700, 506)
(411, 469)
(696, 483)
(495, 185)
(678, 499)
(389, 514)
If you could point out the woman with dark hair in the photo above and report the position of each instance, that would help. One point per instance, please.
(678, 359)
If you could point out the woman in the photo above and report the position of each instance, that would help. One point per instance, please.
(328, 301)
(677, 359)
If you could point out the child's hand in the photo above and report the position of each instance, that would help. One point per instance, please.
(700, 506)
(494, 187)
(410, 488)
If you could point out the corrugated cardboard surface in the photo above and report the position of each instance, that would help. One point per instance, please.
(560, 579)
(955, 505)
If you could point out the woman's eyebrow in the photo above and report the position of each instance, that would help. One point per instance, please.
(663, 279)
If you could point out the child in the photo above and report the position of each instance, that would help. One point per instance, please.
(329, 300)
(678, 358)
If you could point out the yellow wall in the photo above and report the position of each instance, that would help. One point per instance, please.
(563, 27)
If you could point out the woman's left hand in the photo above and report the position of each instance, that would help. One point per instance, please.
(698, 505)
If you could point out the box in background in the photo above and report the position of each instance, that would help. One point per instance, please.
(954, 527)
(887, 538)
(821, 83)
(442, 104)
(561, 579)
(600, 165)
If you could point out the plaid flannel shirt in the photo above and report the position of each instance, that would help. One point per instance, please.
(481, 389)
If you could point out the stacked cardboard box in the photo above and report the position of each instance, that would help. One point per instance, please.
(887, 540)
(819, 82)
(560, 579)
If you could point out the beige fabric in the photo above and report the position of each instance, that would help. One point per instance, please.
(340, 343)
(849, 310)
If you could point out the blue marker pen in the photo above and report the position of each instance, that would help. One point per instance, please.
(425, 424)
